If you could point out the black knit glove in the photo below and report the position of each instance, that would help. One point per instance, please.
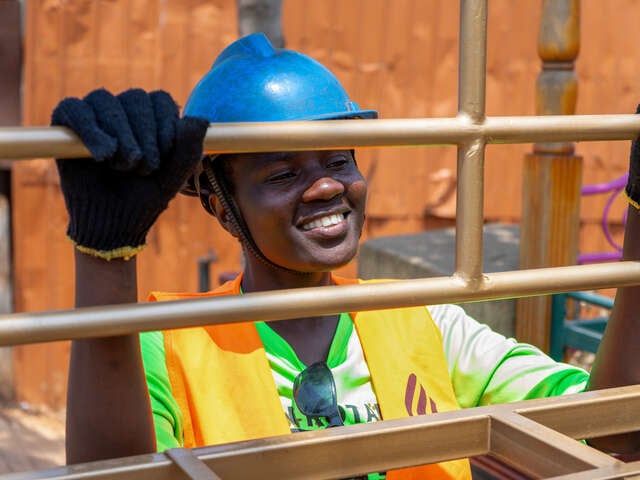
(633, 184)
(142, 154)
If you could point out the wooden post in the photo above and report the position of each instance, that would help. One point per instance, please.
(10, 66)
(552, 173)
(261, 16)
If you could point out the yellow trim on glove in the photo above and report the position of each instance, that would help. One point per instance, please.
(631, 201)
(127, 253)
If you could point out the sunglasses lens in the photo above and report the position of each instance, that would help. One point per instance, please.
(314, 392)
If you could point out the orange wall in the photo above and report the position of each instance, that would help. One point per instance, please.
(397, 56)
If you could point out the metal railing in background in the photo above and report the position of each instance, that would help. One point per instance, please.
(536, 437)
(575, 330)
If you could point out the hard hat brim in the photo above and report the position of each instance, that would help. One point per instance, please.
(363, 114)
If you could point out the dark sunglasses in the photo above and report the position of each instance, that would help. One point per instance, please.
(314, 391)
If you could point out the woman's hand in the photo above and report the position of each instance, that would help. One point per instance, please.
(142, 155)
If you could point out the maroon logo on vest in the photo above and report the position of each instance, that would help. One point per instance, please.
(423, 398)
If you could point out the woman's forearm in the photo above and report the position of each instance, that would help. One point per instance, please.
(618, 362)
(108, 409)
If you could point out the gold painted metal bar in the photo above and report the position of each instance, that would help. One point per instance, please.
(418, 131)
(540, 451)
(354, 450)
(470, 213)
(473, 59)
(580, 416)
(627, 471)
(384, 445)
(142, 467)
(191, 465)
(46, 142)
(122, 319)
(330, 453)
(471, 107)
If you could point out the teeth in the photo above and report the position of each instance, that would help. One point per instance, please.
(324, 221)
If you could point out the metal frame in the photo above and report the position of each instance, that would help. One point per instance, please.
(534, 436)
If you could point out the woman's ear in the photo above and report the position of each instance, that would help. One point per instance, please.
(223, 215)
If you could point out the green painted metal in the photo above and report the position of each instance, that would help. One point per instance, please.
(578, 333)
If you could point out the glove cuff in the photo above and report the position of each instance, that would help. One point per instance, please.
(632, 197)
(126, 253)
(107, 230)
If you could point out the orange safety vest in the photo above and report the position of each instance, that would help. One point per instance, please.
(217, 373)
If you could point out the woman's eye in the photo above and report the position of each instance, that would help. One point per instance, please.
(280, 177)
(338, 162)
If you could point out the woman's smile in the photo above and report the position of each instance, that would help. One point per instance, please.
(324, 222)
(308, 218)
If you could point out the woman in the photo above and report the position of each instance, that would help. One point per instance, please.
(298, 216)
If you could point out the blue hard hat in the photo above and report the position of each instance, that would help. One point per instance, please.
(251, 81)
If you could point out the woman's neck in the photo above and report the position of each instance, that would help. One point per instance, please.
(259, 278)
(310, 337)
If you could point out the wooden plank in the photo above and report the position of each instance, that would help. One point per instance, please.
(10, 65)
(10, 62)
(549, 236)
(43, 279)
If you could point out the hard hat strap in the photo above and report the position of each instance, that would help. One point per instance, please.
(235, 217)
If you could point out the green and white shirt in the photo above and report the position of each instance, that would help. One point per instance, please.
(356, 399)
(484, 366)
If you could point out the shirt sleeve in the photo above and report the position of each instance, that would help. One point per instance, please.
(167, 417)
(487, 368)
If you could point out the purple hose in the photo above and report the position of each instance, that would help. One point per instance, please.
(615, 186)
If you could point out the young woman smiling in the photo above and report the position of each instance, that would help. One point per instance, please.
(298, 216)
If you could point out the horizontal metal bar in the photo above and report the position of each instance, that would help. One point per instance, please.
(628, 471)
(592, 298)
(574, 416)
(348, 451)
(540, 451)
(45, 142)
(330, 453)
(357, 449)
(122, 319)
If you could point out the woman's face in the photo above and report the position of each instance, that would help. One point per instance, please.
(304, 210)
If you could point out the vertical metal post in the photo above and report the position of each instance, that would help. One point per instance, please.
(471, 107)
(552, 174)
(473, 59)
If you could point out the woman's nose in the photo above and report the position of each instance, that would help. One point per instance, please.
(324, 188)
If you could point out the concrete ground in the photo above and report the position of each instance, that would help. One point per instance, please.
(30, 440)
